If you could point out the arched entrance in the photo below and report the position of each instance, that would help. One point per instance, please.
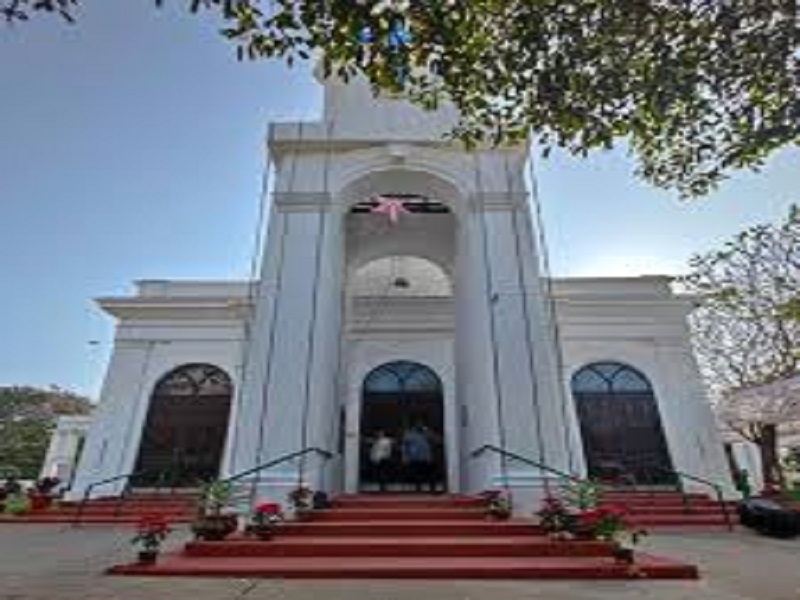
(395, 397)
(623, 438)
(186, 426)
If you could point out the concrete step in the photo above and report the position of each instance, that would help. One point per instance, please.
(412, 568)
(401, 547)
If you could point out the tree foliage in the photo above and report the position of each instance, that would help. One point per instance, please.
(27, 418)
(697, 88)
(747, 329)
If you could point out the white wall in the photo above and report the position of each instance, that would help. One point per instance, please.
(62, 452)
(144, 351)
(639, 323)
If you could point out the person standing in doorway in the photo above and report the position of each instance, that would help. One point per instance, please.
(418, 457)
(380, 455)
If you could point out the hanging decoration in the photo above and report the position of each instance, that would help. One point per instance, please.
(391, 207)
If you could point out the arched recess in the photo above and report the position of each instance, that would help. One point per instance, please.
(623, 438)
(395, 397)
(184, 433)
(407, 276)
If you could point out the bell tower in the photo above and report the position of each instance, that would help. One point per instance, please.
(493, 346)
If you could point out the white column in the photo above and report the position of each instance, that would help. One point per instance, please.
(289, 390)
(475, 376)
(109, 443)
(513, 341)
(692, 435)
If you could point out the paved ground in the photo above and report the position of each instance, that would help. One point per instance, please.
(47, 562)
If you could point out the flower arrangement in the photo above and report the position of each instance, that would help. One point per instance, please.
(211, 524)
(41, 495)
(613, 524)
(264, 520)
(151, 531)
(580, 494)
(302, 500)
(557, 519)
(499, 505)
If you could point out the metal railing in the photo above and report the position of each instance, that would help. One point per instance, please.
(529, 461)
(123, 495)
(325, 454)
(681, 475)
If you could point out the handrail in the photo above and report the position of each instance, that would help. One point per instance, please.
(95, 484)
(529, 461)
(715, 486)
(327, 455)
(277, 461)
(88, 492)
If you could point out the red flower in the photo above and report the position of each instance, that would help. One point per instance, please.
(153, 524)
(615, 510)
(268, 508)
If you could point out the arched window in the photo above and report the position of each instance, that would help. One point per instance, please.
(611, 378)
(623, 438)
(186, 426)
(402, 376)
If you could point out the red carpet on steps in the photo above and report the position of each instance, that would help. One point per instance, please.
(176, 507)
(406, 537)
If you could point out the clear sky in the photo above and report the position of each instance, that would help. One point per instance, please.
(131, 146)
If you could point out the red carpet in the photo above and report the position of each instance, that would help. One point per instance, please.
(396, 537)
(177, 508)
(660, 510)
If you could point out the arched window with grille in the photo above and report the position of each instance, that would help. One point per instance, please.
(187, 422)
(623, 438)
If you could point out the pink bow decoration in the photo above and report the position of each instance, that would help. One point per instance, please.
(391, 207)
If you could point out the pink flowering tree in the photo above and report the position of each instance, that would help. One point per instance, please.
(746, 332)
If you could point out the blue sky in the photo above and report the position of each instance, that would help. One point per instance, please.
(131, 146)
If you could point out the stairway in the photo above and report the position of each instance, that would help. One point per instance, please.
(406, 537)
(661, 510)
(176, 507)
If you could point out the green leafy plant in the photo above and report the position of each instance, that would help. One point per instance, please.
(215, 496)
(302, 499)
(556, 518)
(580, 494)
(499, 504)
(17, 504)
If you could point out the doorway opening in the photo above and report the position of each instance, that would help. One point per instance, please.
(396, 398)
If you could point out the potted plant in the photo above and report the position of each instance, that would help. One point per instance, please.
(212, 523)
(264, 520)
(580, 494)
(612, 524)
(17, 504)
(556, 519)
(41, 494)
(302, 501)
(151, 531)
(498, 504)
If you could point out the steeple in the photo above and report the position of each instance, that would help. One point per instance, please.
(357, 113)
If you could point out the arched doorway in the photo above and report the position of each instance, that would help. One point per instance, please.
(395, 397)
(623, 438)
(186, 426)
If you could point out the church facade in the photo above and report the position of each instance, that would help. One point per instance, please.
(400, 286)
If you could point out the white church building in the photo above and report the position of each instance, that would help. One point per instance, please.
(400, 284)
